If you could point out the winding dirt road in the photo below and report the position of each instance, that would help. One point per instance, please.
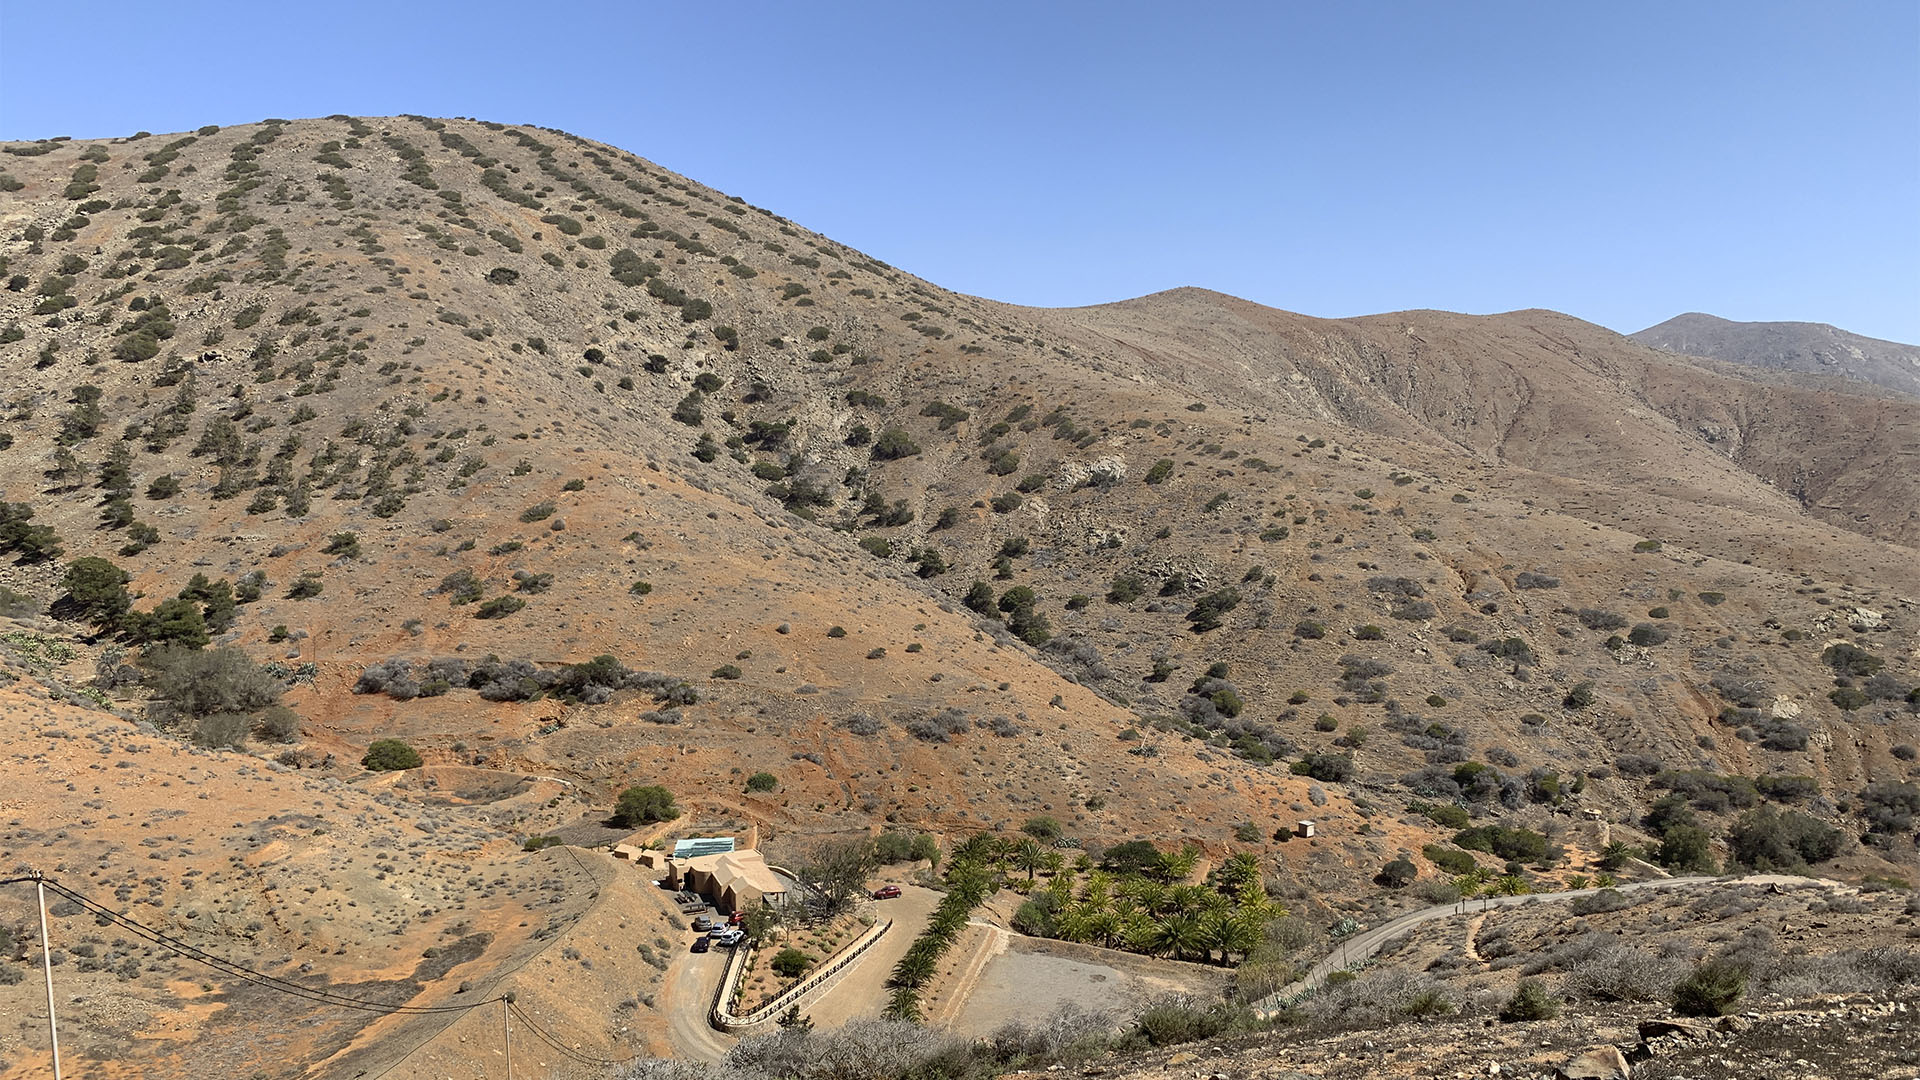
(1362, 946)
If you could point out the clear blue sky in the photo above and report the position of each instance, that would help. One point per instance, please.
(1622, 162)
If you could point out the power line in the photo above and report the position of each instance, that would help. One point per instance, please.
(551, 1040)
(318, 995)
(241, 971)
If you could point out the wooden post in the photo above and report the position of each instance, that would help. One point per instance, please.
(46, 964)
(506, 1029)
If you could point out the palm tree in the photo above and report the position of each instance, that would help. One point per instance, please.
(1235, 932)
(1053, 863)
(905, 1004)
(1104, 925)
(1073, 925)
(975, 848)
(946, 922)
(1061, 889)
(1512, 885)
(1141, 934)
(1213, 935)
(1240, 870)
(1615, 855)
(1253, 902)
(914, 969)
(1181, 935)
(1188, 899)
(1147, 893)
(1099, 887)
(1028, 855)
(1178, 865)
(1468, 885)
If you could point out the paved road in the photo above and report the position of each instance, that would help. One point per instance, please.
(1363, 945)
(862, 991)
(692, 978)
(690, 983)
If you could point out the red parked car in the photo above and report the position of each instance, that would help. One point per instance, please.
(886, 892)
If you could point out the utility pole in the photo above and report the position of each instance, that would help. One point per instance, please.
(46, 966)
(506, 1029)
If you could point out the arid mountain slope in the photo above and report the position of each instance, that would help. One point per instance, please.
(1546, 392)
(1810, 348)
(467, 393)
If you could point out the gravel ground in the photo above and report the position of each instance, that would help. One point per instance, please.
(1026, 983)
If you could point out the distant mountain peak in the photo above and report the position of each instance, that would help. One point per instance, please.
(1804, 347)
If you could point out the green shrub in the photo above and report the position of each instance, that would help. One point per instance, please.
(1171, 1021)
(1042, 828)
(1530, 1001)
(762, 781)
(727, 671)
(791, 963)
(1450, 860)
(1516, 844)
(1767, 839)
(639, 806)
(499, 607)
(1208, 610)
(1398, 874)
(1709, 990)
(388, 755)
(202, 683)
(894, 443)
(1851, 660)
(1125, 589)
(1325, 766)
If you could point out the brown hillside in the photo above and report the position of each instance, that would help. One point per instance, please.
(519, 367)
